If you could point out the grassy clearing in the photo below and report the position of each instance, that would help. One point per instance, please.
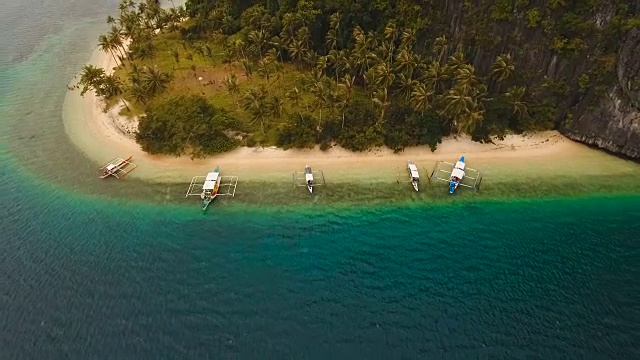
(194, 73)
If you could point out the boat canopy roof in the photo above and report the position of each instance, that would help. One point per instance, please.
(413, 167)
(307, 169)
(209, 185)
(111, 166)
(308, 176)
(457, 173)
(460, 165)
(212, 176)
(414, 174)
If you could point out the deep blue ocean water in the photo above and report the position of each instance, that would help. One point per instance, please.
(94, 277)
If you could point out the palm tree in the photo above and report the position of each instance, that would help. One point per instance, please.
(381, 102)
(503, 67)
(466, 78)
(265, 68)
(457, 102)
(420, 97)
(436, 75)
(112, 86)
(154, 81)
(91, 79)
(405, 86)
(276, 105)
(384, 75)
(390, 35)
(294, 95)
(515, 95)
(406, 61)
(254, 102)
(231, 82)
(469, 120)
(106, 45)
(456, 61)
(138, 93)
(440, 48)
(258, 38)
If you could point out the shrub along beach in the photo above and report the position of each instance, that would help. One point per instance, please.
(262, 89)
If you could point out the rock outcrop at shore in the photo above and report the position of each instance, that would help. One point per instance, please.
(615, 124)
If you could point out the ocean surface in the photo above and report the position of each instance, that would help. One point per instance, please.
(88, 273)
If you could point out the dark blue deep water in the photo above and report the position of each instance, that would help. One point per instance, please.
(86, 277)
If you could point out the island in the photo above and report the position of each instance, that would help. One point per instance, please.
(354, 87)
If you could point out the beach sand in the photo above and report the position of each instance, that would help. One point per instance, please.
(541, 155)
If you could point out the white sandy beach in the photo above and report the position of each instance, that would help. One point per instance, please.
(101, 137)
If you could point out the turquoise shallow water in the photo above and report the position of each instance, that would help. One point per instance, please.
(91, 277)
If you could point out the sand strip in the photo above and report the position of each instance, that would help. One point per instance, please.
(101, 137)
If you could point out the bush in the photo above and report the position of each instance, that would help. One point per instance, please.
(185, 124)
(298, 132)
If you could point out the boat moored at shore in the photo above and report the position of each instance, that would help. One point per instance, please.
(209, 189)
(456, 173)
(414, 176)
(117, 168)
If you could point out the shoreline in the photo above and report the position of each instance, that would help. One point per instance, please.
(102, 136)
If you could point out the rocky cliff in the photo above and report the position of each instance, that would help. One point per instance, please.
(615, 124)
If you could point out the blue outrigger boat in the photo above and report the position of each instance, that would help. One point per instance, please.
(456, 175)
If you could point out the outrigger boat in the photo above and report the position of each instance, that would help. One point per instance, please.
(455, 173)
(414, 177)
(117, 167)
(210, 187)
(308, 176)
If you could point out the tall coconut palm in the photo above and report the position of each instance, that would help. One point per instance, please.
(112, 86)
(406, 61)
(276, 105)
(295, 96)
(405, 86)
(91, 79)
(254, 102)
(421, 97)
(456, 61)
(381, 102)
(515, 96)
(436, 75)
(503, 67)
(231, 82)
(457, 102)
(469, 120)
(440, 48)
(106, 45)
(154, 80)
(466, 78)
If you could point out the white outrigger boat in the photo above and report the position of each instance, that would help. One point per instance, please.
(117, 168)
(210, 188)
(458, 172)
(414, 176)
(308, 178)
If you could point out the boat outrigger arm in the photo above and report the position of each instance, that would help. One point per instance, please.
(455, 174)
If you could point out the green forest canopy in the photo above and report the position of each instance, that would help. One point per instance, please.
(372, 72)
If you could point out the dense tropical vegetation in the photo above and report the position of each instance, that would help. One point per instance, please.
(359, 73)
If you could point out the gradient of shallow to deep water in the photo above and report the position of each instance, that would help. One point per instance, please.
(86, 277)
